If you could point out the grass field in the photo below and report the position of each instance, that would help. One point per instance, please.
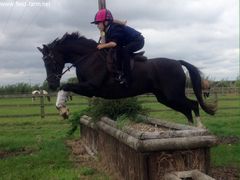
(35, 148)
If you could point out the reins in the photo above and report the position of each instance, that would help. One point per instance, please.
(68, 69)
(78, 61)
(58, 76)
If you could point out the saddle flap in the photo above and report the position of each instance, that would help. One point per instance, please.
(138, 56)
(140, 53)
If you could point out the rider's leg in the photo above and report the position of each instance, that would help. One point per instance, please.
(126, 67)
(128, 50)
(119, 64)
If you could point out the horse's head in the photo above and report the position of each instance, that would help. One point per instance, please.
(66, 48)
(206, 88)
(54, 65)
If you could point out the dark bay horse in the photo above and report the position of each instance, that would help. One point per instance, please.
(163, 77)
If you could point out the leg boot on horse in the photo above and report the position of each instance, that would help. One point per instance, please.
(61, 104)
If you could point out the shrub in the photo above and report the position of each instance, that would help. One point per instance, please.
(122, 109)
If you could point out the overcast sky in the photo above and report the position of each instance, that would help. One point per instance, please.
(202, 32)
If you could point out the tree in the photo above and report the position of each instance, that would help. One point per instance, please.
(237, 82)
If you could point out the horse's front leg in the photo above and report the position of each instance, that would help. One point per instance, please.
(82, 89)
(61, 104)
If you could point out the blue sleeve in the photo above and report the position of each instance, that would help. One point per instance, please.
(116, 34)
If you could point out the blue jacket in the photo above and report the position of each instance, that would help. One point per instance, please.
(121, 34)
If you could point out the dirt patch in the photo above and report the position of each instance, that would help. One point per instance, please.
(22, 151)
(225, 173)
(228, 140)
(81, 156)
(79, 153)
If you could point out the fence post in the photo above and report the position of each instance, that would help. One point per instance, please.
(102, 5)
(42, 112)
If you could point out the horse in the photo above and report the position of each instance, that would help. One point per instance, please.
(163, 77)
(206, 88)
(37, 93)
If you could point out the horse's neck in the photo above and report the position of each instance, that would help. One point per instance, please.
(81, 58)
(74, 49)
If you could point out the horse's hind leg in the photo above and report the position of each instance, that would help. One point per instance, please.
(195, 108)
(199, 122)
(181, 105)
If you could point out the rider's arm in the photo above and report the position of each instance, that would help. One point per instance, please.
(110, 44)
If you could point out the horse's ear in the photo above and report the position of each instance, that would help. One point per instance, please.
(40, 49)
(45, 46)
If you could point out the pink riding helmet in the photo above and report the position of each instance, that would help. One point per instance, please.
(103, 15)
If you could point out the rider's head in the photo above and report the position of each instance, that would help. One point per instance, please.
(103, 18)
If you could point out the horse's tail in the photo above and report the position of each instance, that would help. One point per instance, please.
(197, 87)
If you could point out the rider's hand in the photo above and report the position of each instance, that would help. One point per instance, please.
(100, 46)
(107, 45)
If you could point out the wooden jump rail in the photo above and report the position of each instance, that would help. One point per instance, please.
(194, 174)
(148, 155)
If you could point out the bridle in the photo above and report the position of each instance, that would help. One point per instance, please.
(58, 76)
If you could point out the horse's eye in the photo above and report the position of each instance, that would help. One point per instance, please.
(50, 55)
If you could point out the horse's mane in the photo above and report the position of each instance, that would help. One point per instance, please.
(75, 39)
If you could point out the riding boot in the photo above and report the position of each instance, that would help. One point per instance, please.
(119, 64)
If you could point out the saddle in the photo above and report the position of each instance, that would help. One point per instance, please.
(113, 61)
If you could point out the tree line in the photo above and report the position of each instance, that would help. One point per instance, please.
(25, 88)
(21, 88)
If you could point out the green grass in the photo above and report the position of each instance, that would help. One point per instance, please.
(226, 155)
(226, 122)
(25, 106)
(49, 157)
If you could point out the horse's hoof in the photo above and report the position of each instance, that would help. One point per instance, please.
(201, 127)
(64, 112)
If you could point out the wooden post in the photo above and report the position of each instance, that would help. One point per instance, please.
(42, 112)
(102, 5)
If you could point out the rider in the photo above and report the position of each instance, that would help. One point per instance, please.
(117, 34)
